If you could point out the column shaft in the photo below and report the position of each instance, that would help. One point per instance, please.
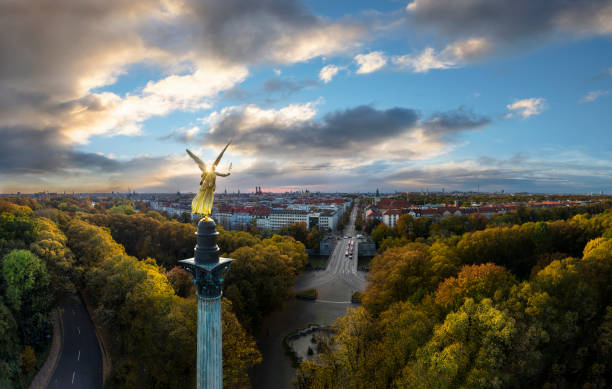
(210, 365)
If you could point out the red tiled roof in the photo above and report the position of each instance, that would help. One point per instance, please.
(393, 212)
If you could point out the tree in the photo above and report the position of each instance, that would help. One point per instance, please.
(313, 239)
(50, 246)
(476, 282)
(90, 244)
(28, 359)
(297, 231)
(17, 229)
(398, 274)
(9, 347)
(124, 209)
(380, 232)
(27, 294)
(185, 217)
(181, 281)
(468, 350)
(240, 352)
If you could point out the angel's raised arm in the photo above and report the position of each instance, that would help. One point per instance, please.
(225, 174)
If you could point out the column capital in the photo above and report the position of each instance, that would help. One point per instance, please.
(207, 276)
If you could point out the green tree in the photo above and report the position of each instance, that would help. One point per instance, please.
(27, 294)
(468, 350)
(50, 246)
(9, 347)
(380, 232)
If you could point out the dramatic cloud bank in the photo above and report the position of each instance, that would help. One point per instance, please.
(176, 73)
(55, 56)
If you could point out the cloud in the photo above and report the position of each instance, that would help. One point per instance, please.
(422, 63)
(344, 137)
(287, 86)
(526, 107)
(371, 62)
(328, 72)
(513, 21)
(33, 160)
(57, 60)
(183, 135)
(572, 173)
(55, 56)
(557, 171)
(451, 122)
(271, 31)
(593, 95)
(466, 50)
(453, 55)
(25, 150)
(507, 26)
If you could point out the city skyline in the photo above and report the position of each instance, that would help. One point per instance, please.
(352, 96)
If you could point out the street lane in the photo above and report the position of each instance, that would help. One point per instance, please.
(80, 364)
(340, 278)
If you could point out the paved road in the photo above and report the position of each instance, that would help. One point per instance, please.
(80, 365)
(340, 278)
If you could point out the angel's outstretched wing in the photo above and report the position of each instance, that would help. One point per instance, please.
(221, 155)
(200, 163)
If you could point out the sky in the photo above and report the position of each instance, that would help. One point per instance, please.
(106, 95)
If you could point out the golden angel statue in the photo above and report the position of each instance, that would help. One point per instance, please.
(202, 203)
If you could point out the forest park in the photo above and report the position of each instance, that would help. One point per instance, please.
(525, 305)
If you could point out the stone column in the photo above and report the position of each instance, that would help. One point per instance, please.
(207, 269)
(210, 364)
